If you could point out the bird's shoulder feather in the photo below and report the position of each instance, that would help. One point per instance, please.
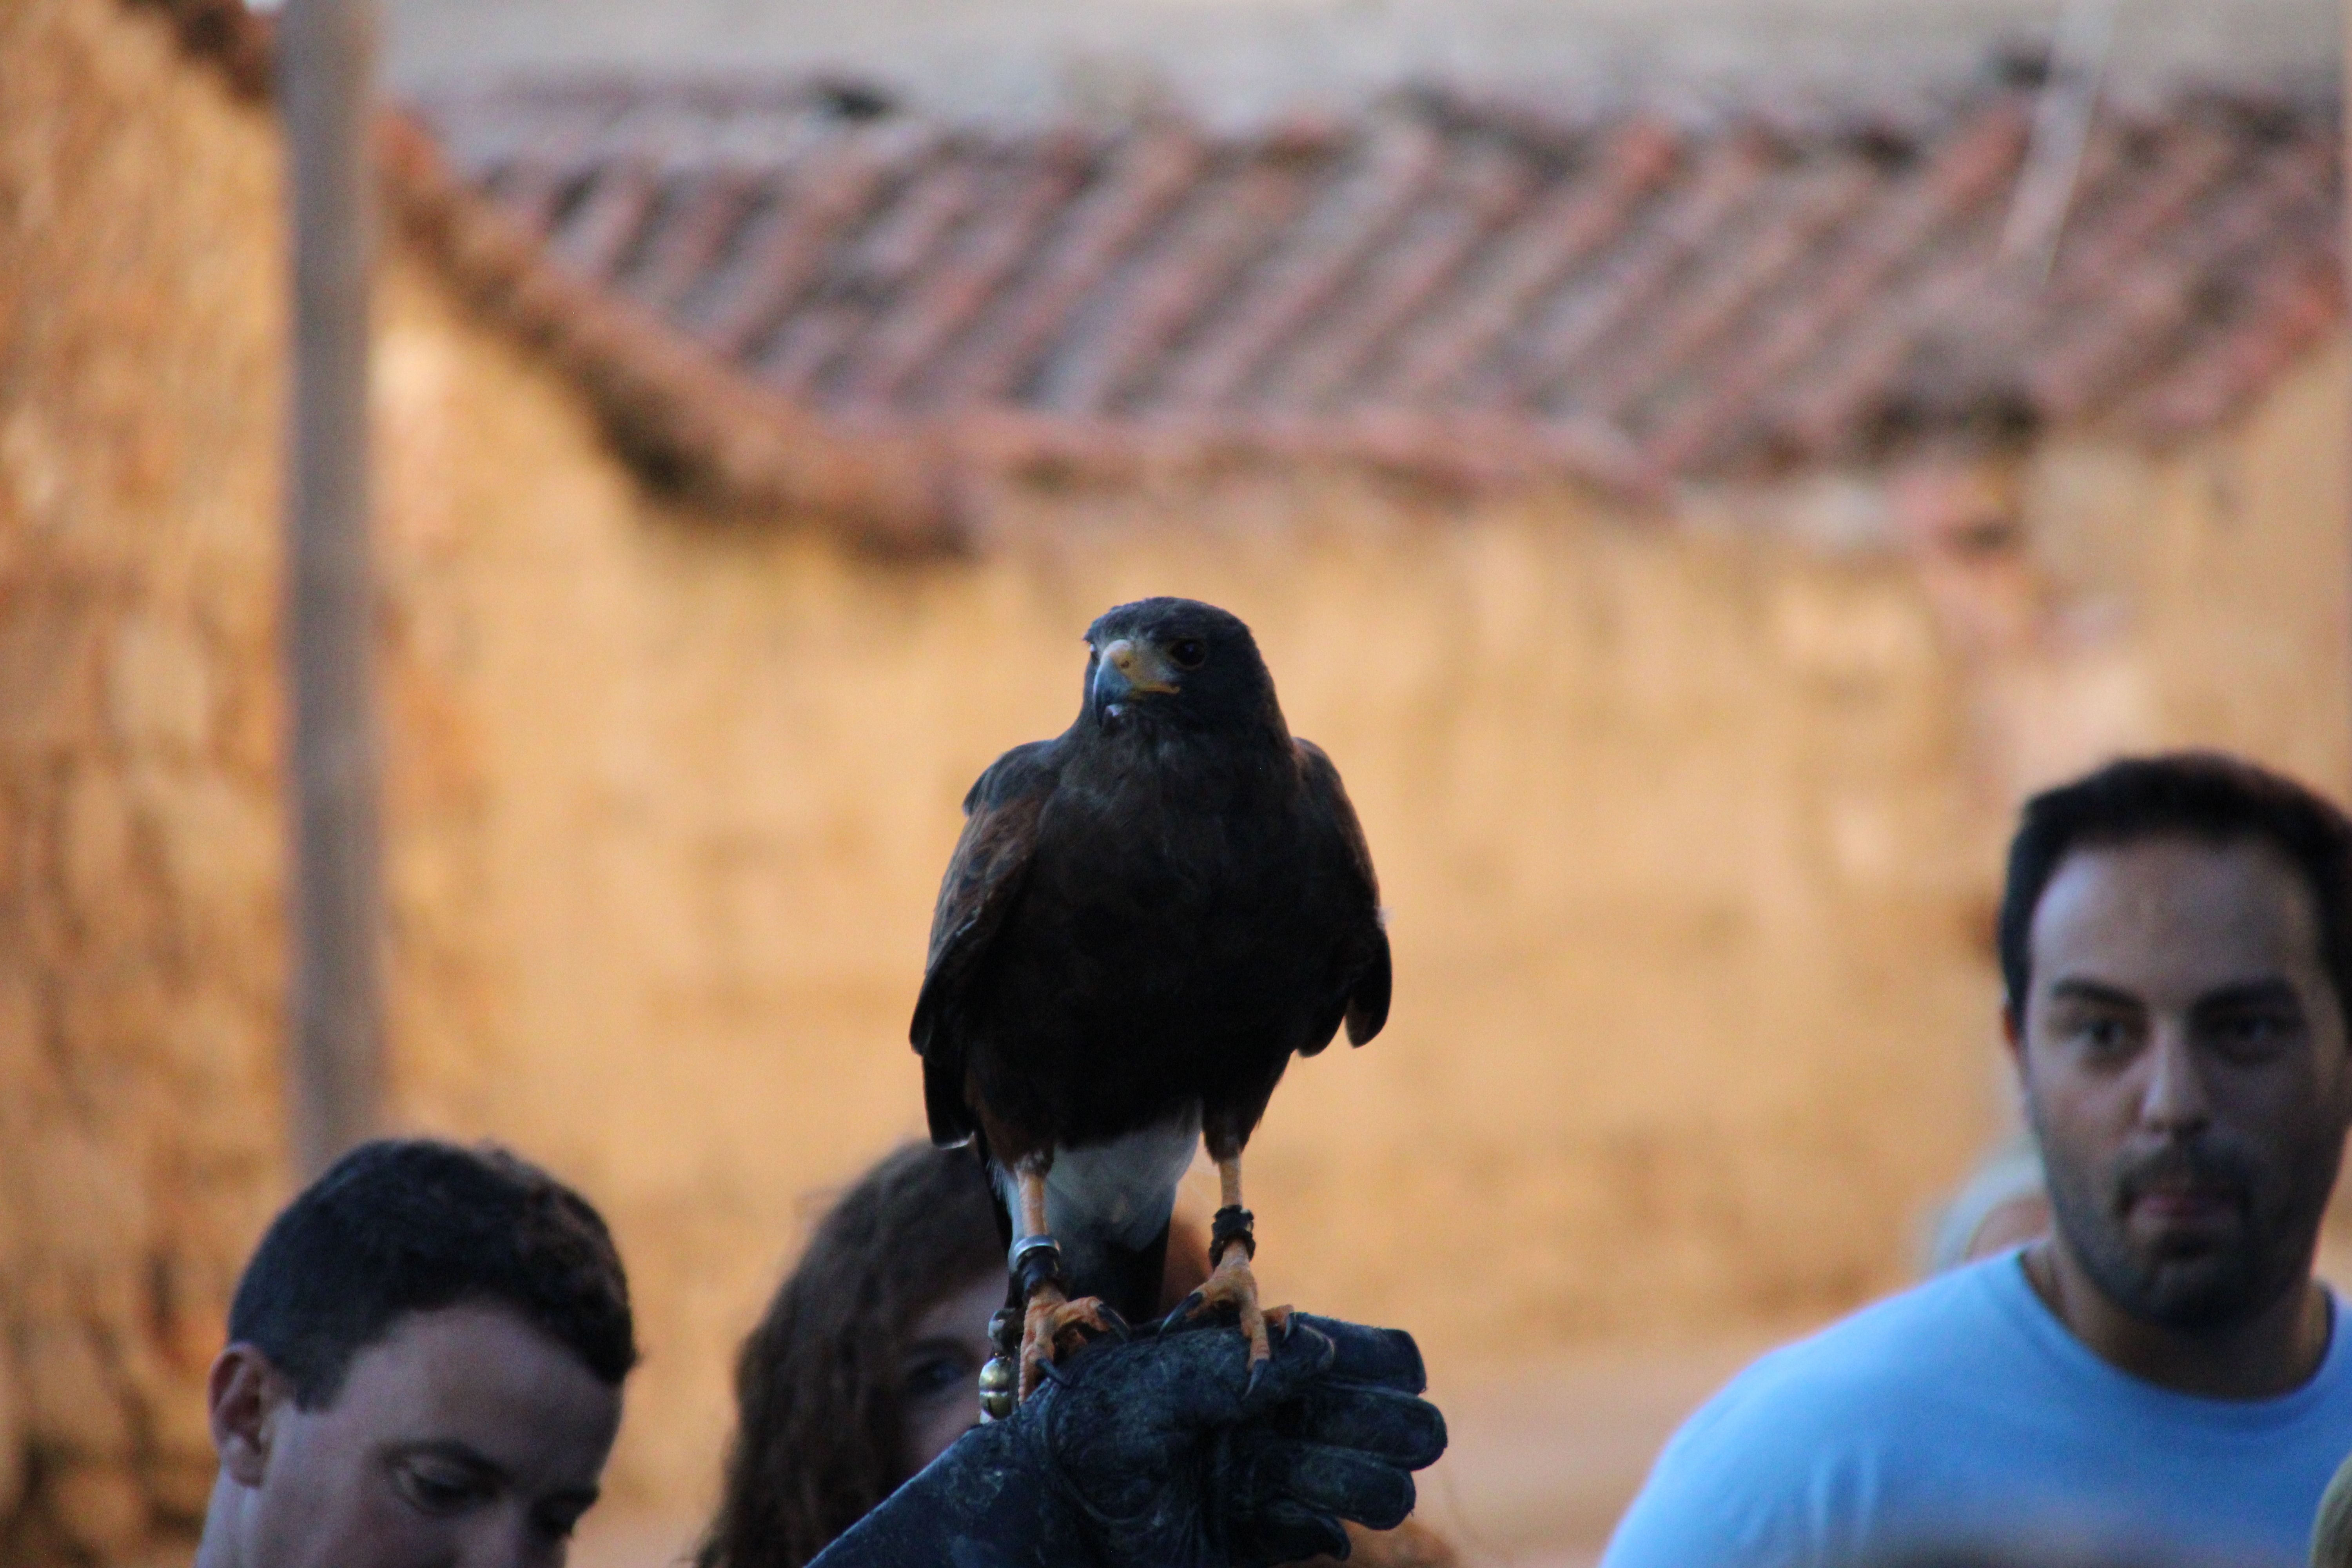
(1328, 802)
(1026, 770)
(983, 878)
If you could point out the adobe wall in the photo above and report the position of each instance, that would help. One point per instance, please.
(139, 279)
(1690, 834)
(1677, 833)
(2199, 600)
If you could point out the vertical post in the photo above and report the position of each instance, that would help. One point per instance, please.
(324, 49)
(2062, 128)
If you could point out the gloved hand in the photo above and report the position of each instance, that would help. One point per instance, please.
(1179, 1455)
(1161, 1450)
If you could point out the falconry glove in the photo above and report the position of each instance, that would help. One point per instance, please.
(1164, 1450)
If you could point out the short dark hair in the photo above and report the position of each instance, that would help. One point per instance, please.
(403, 1226)
(2202, 795)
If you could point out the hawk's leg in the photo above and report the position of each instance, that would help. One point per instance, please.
(1233, 1242)
(1050, 1320)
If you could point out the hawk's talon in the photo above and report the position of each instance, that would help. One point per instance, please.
(1183, 1314)
(1053, 1325)
(1231, 1284)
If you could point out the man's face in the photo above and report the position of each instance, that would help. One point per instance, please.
(2183, 1059)
(466, 1438)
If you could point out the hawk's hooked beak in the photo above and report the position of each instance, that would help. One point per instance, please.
(1128, 667)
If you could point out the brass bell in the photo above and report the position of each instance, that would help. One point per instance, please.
(999, 1388)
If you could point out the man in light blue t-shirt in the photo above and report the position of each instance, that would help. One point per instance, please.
(2159, 1381)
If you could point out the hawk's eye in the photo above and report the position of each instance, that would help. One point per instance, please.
(1188, 653)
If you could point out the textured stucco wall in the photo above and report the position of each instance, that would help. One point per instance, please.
(139, 830)
(1675, 831)
(1690, 834)
(2202, 599)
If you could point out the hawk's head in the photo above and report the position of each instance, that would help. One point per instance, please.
(1176, 662)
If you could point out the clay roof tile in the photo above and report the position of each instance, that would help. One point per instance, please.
(795, 291)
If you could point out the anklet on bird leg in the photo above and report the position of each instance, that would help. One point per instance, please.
(1049, 1317)
(1233, 1245)
(1000, 1379)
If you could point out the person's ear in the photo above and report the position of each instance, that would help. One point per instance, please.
(245, 1395)
(2343, 1032)
(2344, 1084)
(2012, 1034)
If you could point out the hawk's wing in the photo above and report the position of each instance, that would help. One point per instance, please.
(1367, 986)
(983, 879)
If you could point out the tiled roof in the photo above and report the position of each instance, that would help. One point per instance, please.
(1439, 280)
(684, 415)
(796, 296)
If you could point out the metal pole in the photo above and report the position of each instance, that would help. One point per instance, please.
(335, 1076)
(2062, 128)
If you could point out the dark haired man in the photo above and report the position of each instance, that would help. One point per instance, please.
(2160, 1379)
(426, 1365)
